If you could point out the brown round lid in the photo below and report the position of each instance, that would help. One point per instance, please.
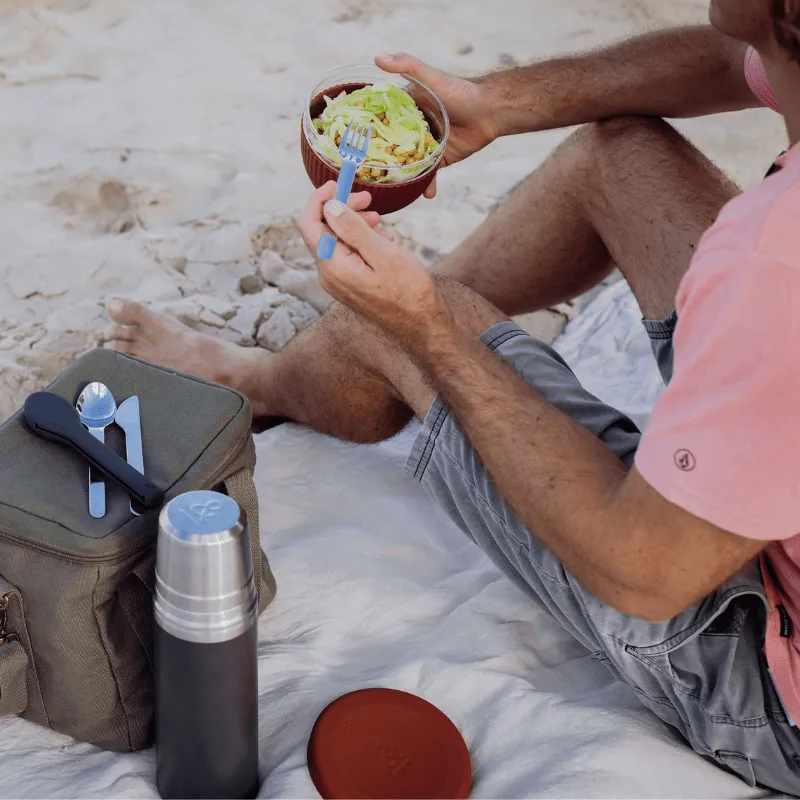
(383, 743)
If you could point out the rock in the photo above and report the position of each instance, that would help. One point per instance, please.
(304, 285)
(251, 284)
(222, 308)
(272, 296)
(273, 236)
(244, 323)
(209, 318)
(277, 331)
(301, 315)
(168, 248)
(186, 311)
(271, 265)
(234, 337)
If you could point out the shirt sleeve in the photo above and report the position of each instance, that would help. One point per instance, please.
(757, 80)
(723, 442)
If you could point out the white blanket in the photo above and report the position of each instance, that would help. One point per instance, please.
(376, 587)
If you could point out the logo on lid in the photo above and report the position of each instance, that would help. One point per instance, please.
(202, 513)
(685, 461)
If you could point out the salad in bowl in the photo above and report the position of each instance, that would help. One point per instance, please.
(401, 136)
(409, 133)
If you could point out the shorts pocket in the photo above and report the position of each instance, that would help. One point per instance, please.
(721, 644)
(738, 764)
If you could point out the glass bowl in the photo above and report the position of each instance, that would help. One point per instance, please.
(402, 188)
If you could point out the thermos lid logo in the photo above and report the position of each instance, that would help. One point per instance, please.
(202, 513)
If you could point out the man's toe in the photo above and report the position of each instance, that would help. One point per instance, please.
(125, 312)
(123, 333)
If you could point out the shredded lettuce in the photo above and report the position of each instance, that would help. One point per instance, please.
(400, 133)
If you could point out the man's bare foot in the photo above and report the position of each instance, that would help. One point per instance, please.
(164, 341)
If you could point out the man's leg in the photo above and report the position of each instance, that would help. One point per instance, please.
(629, 192)
(341, 376)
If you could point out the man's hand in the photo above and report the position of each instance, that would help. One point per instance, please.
(368, 272)
(472, 124)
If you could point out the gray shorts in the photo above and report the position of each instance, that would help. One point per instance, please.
(703, 672)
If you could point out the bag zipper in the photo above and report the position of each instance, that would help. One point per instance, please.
(58, 554)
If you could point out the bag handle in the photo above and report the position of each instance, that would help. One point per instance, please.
(242, 488)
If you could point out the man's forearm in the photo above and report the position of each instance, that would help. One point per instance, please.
(682, 72)
(559, 478)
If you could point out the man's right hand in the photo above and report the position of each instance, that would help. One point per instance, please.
(472, 125)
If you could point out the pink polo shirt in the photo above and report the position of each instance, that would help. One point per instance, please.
(724, 439)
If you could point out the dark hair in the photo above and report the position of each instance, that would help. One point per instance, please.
(786, 22)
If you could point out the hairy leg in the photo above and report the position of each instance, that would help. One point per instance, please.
(341, 376)
(628, 191)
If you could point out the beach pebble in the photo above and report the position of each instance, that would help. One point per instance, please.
(251, 284)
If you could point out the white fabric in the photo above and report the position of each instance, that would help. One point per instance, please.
(377, 588)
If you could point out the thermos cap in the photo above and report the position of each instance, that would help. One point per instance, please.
(201, 513)
(204, 572)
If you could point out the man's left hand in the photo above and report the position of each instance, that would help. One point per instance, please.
(368, 272)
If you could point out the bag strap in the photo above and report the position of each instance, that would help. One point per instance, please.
(241, 487)
(13, 684)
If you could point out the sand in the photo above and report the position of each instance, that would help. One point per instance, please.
(149, 149)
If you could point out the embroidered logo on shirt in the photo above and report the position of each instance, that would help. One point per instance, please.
(786, 622)
(685, 461)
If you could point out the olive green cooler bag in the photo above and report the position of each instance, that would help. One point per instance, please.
(76, 592)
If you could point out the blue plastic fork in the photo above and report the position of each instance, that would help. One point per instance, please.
(353, 150)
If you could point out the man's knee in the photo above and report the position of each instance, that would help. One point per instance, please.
(618, 131)
(630, 136)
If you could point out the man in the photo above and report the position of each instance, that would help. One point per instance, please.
(672, 555)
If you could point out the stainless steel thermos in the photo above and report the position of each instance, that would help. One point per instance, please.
(206, 712)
